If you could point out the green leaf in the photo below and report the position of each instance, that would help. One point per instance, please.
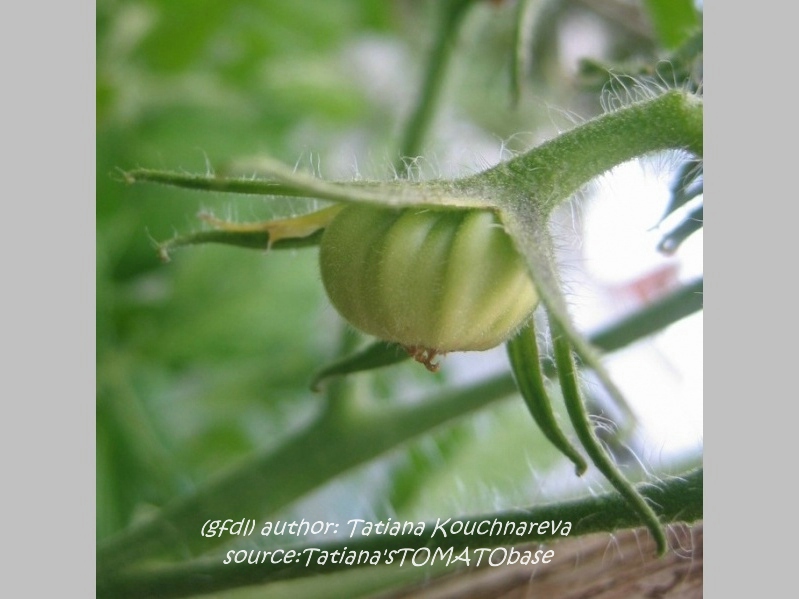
(674, 20)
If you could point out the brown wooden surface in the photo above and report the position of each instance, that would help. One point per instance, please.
(601, 566)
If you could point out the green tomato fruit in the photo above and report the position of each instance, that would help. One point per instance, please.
(431, 280)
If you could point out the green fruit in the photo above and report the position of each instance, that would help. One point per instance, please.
(432, 280)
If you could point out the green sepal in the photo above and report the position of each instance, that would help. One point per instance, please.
(583, 427)
(256, 240)
(525, 362)
(375, 355)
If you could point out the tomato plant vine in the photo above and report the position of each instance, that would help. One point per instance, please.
(401, 235)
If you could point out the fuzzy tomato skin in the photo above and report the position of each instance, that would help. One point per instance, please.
(442, 280)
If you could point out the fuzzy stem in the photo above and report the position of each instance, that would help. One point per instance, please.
(281, 181)
(679, 499)
(268, 482)
(552, 172)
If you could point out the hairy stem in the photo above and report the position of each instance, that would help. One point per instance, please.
(679, 499)
(552, 172)
(266, 483)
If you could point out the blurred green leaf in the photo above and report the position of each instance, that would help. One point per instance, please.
(375, 355)
(674, 20)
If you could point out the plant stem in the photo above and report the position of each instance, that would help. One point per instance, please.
(651, 318)
(269, 482)
(418, 125)
(679, 499)
(527, 12)
(552, 172)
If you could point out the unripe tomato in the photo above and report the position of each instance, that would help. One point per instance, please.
(431, 280)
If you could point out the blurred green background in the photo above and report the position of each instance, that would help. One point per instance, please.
(207, 359)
